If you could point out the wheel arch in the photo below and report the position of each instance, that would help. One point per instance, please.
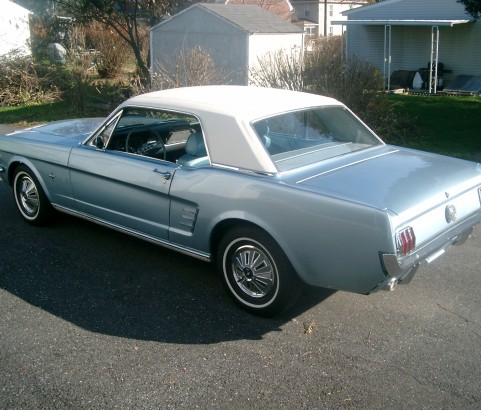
(234, 221)
(226, 225)
(14, 164)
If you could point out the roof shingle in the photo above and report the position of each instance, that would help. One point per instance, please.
(251, 18)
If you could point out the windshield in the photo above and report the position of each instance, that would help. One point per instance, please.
(300, 138)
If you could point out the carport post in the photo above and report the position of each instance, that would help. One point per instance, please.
(387, 55)
(343, 42)
(433, 80)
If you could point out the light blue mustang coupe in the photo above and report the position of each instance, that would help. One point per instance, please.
(278, 187)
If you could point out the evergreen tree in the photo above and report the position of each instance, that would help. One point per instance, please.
(473, 7)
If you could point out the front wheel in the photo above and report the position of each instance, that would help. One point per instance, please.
(256, 272)
(30, 199)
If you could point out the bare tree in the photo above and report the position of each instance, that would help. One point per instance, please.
(130, 19)
(279, 69)
(188, 67)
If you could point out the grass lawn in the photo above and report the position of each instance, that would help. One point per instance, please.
(443, 124)
(29, 115)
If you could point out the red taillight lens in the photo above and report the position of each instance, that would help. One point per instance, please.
(405, 241)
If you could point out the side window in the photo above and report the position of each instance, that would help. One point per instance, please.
(151, 133)
(101, 139)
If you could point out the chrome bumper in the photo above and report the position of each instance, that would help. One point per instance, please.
(402, 270)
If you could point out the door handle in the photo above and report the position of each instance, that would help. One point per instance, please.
(165, 175)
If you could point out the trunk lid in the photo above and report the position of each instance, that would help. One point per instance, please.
(403, 181)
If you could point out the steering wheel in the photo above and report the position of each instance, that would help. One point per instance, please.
(152, 148)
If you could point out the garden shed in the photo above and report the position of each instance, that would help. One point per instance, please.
(411, 36)
(234, 35)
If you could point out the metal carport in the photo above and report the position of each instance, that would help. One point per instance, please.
(434, 24)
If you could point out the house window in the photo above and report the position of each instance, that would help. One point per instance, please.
(307, 13)
(309, 31)
(331, 10)
(331, 30)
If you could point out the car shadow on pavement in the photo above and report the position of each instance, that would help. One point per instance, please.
(107, 282)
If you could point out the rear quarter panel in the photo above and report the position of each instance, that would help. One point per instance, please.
(330, 242)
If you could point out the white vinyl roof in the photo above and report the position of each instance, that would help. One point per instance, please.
(393, 22)
(249, 103)
(226, 112)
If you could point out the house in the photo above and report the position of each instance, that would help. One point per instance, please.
(317, 15)
(281, 8)
(399, 36)
(235, 36)
(14, 29)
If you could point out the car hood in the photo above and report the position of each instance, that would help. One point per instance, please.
(76, 130)
(395, 179)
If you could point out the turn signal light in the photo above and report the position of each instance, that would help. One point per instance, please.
(405, 241)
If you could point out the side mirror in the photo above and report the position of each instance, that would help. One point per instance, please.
(99, 142)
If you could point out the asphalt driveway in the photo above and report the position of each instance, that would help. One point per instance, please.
(91, 318)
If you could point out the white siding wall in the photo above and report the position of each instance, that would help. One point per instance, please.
(14, 29)
(367, 43)
(314, 11)
(459, 45)
(262, 44)
(460, 49)
(338, 9)
(226, 44)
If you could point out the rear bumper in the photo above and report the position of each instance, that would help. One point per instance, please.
(402, 270)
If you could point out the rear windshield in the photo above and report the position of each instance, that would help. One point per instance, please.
(300, 138)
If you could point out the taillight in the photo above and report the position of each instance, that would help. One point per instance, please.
(405, 241)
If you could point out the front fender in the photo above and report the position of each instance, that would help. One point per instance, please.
(14, 162)
(54, 179)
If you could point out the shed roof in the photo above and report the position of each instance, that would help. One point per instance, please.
(250, 18)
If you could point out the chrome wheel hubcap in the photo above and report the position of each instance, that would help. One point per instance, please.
(28, 196)
(253, 271)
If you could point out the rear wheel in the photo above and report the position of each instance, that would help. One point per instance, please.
(256, 272)
(31, 201)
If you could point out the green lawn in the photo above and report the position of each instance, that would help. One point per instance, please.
(28, 115)
(443, 124)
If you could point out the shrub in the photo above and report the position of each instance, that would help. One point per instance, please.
(188, 67)
(23, 81)
(279, 70)
(76, 72)
(191, 68)
(356, 82)
(110, 50)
